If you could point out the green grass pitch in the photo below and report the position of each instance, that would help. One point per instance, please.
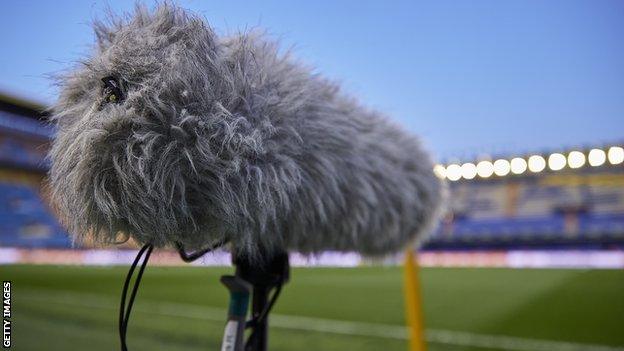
(75, 308)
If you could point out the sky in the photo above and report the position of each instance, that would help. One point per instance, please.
(472, 78)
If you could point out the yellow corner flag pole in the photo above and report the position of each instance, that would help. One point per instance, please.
(413, 303)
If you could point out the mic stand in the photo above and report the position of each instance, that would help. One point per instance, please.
(258, 278)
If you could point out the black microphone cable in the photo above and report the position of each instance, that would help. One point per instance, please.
(124, 312)
(190, 257)
(252, 323)
(145, 252)
(265, 312)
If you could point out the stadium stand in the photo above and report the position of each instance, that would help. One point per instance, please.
(573, 199)
(25, 219)
(581, 207)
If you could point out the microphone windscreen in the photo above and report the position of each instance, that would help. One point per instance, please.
(169, 134)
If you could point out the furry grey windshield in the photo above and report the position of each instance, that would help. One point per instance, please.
(169, 133)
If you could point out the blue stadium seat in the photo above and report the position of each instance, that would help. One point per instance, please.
(25, 221)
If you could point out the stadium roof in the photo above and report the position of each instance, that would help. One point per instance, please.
(22, 106)
(18, 115)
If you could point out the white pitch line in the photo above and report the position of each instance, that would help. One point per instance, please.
(437, 336)
(502, 342)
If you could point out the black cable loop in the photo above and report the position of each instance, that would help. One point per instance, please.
(145, 252)
(253, 322)
(257, 320)
(190, 257)
(124, 313)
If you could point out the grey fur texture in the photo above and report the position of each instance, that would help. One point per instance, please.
(227, 139)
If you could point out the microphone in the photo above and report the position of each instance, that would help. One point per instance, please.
(171, 135)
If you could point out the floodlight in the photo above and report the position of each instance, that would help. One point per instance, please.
(597, 157)
(537, 163)
(453, 172)
(485, 169)
(518, 165)
(576, 159)
(556, 162)
(439, 171)
(469, 170)
(501, 167)
(615, 155)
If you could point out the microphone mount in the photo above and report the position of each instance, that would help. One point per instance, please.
(255, 279)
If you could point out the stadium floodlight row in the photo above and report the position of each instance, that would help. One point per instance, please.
(534, 164)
